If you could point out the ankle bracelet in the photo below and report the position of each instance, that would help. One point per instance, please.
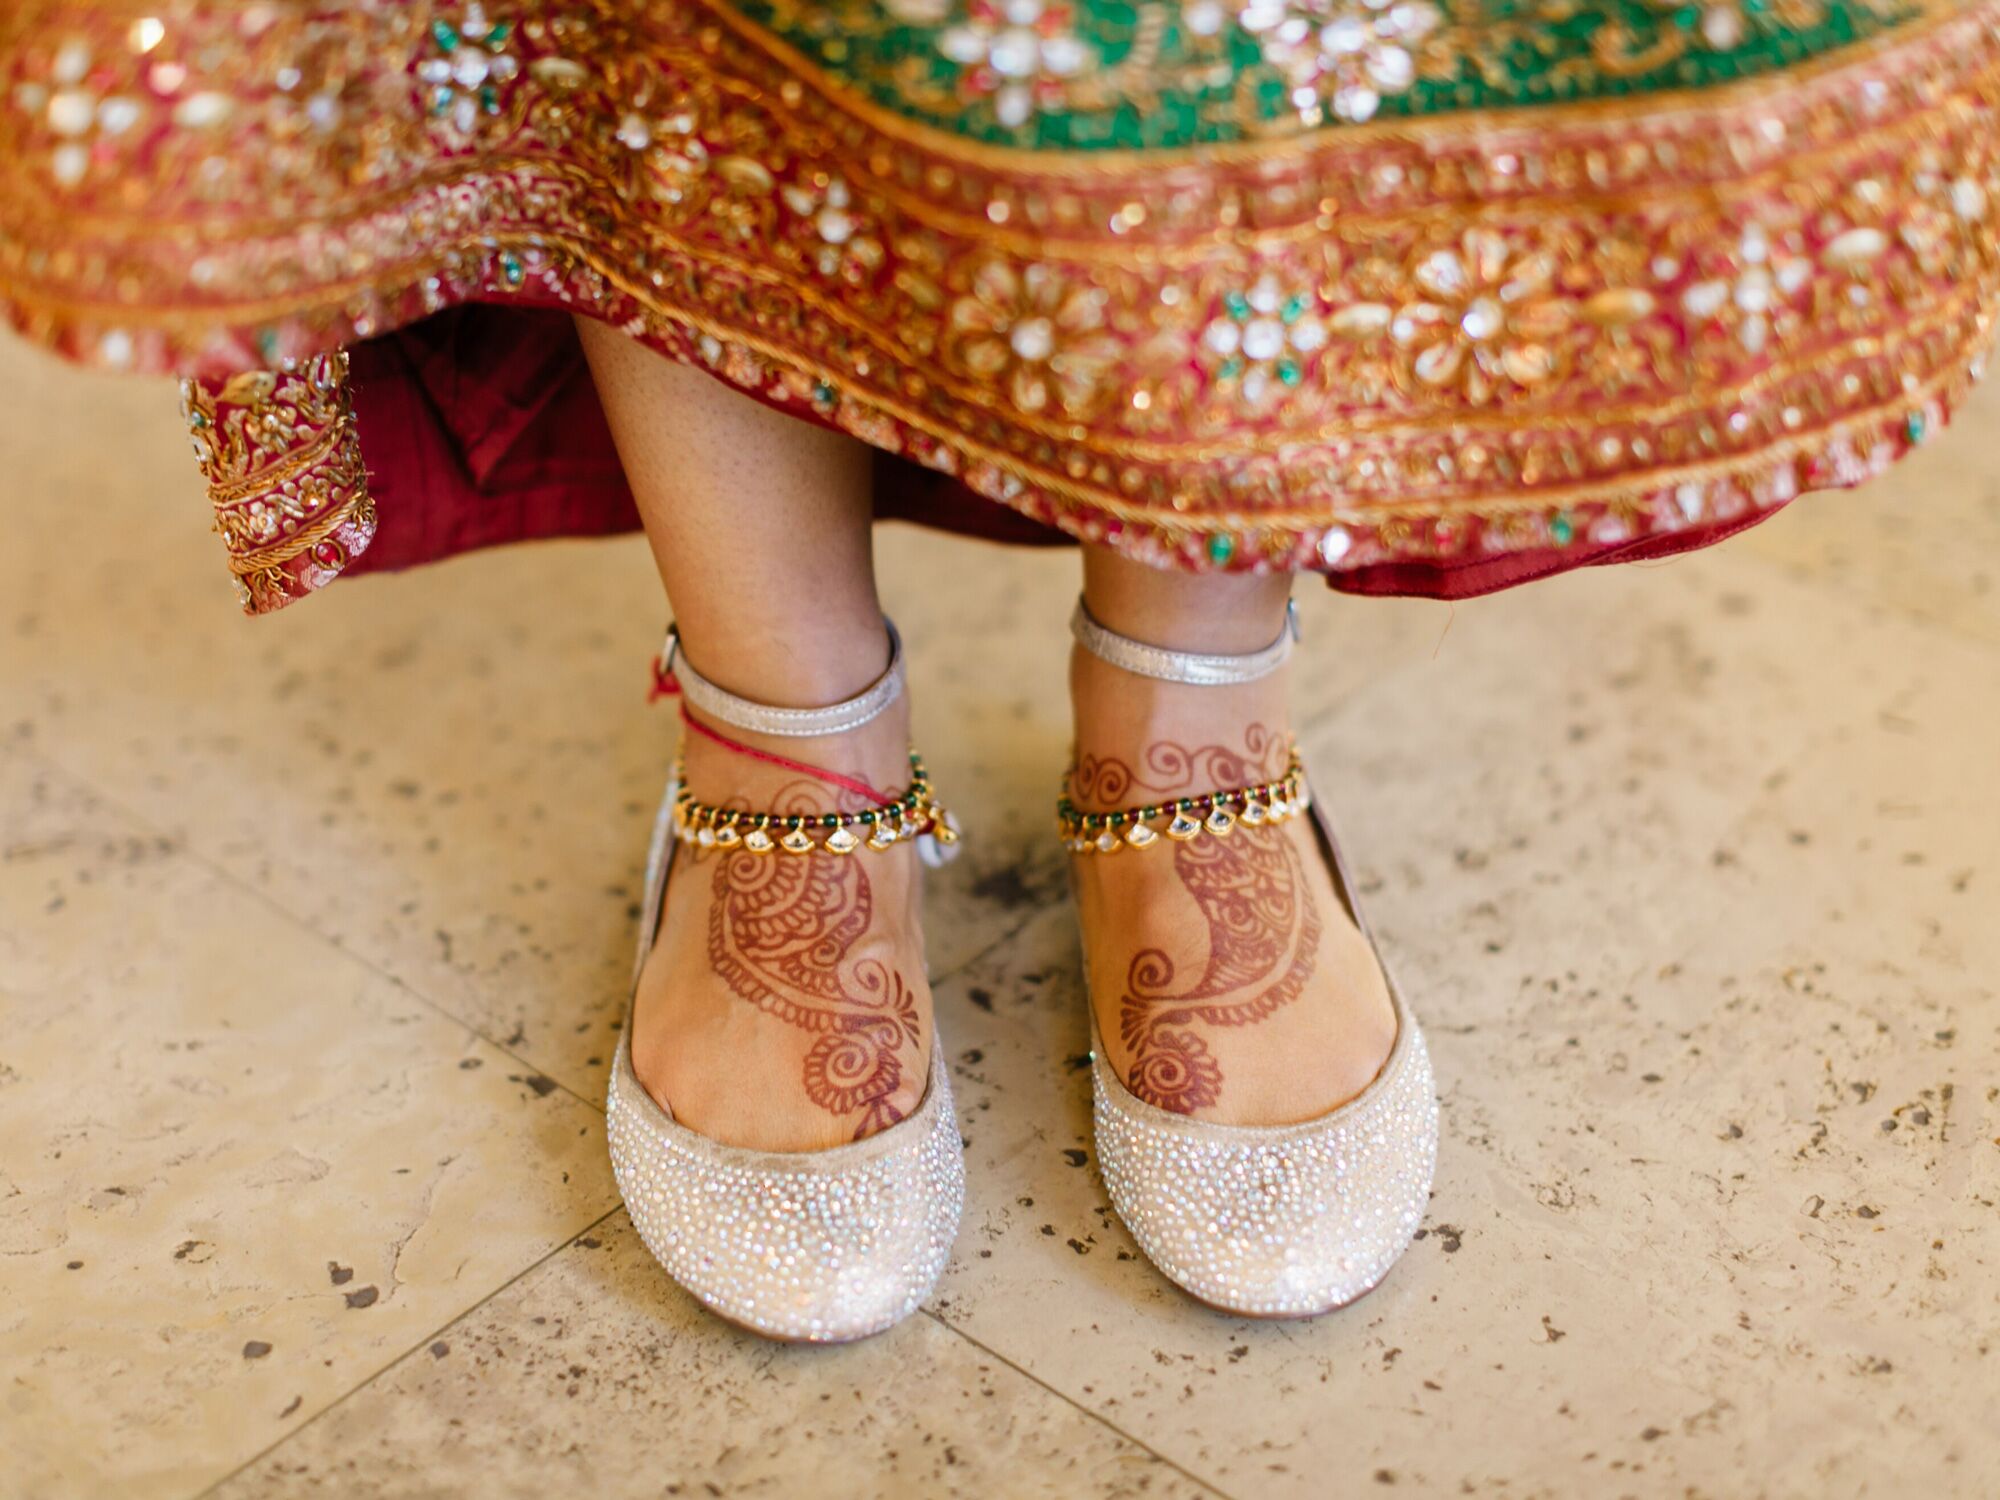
(1197, 669)
(914, 815)
(1215, 813)
(793, 723)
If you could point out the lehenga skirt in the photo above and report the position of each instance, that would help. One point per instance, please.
(1430, 296)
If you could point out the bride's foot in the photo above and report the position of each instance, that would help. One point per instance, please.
(1228, 979)
(785, 1005)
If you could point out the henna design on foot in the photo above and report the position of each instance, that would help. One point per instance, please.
(1263, 928)
(1263, 939)
(1106, 781)
(780, 927)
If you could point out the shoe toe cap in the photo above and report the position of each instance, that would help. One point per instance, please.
(1274, 1222)
(816, 1247)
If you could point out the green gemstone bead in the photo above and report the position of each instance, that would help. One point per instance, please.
(1562, 529)
(1221, 547)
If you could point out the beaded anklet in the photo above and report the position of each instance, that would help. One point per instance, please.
(1215, 813)
(912, 815)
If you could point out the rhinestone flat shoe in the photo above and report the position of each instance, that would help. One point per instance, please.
(808, 1246)
(1278, 1221)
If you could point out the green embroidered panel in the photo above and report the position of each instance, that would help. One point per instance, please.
(1099, 74)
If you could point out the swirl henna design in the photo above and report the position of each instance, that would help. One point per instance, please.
(1263, 941)
(1169, 767)
(780, 928)
(1263, 929)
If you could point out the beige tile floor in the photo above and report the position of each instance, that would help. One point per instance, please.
(312, 932)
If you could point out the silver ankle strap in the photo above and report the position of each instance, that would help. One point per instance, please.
(798, 723)
(1183, 666)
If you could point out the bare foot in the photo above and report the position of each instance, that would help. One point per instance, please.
(1228, 980)
(785, 1005)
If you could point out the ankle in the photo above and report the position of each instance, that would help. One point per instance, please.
(1139, 739)
(827, 664)
(877, 754)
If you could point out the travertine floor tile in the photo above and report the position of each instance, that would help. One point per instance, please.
(593, 1376)
(242, 1171)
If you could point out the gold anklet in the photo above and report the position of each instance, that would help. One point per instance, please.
(1215, 813)
(910, 816)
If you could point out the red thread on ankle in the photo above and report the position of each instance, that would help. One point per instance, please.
(664, 686)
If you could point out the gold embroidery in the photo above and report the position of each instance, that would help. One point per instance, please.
(1612, 319)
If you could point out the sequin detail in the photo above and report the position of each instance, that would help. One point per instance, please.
(817, 1246)
(1279, 1221)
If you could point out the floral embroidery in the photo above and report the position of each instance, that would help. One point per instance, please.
(1019, 54)
(1291, 353)
(464, 79)
(1765, 279)
(845, 246)
(1339, 52)
(285, 475)
(1488, 317)
(1134, 74)
(74, 113)
(1035, 336)
(1264, 336)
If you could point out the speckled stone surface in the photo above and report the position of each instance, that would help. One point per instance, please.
(1689, 871)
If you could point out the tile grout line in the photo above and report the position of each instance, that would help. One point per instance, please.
(1071, 1401)
(422, 1343)
(273, 904)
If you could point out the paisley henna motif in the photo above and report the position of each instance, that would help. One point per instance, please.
(1263, 939)
(780, 928)
(1263, 930)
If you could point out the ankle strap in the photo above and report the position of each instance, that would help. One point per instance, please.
(1194, 668)
(797, 723)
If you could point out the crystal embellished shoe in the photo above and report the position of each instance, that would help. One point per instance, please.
(1275, 1221)
(810, 1246)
